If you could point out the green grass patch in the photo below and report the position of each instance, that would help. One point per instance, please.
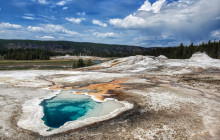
(39, 64)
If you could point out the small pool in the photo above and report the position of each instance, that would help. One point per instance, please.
(97, 61)
(67, 107)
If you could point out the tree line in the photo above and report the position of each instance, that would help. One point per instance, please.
(75, 48)
(185, 52)
(25, 54)
(179, 52)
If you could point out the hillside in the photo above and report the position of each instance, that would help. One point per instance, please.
(32, 49)
(74, 48)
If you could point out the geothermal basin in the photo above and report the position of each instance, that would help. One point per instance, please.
(157, 98)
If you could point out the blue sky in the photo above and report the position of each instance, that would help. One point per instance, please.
(144, 23)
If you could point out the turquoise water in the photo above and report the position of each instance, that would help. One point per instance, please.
(68, 107)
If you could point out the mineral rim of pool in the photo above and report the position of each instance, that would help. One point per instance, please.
(67, 106)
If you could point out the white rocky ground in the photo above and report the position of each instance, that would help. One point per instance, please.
(160, 65)
(69, 57)
(173, 99)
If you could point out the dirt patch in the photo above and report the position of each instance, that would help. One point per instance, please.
(207, 82)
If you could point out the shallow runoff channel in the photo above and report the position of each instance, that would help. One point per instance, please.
(64, 110)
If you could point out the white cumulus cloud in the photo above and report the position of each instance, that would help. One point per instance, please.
(187, 19)
(10, 26)
(51, 28)
(216, 34)
(155, 7)
(106, 35)
(61, 3)
(35, 28)
(98, 22)
(81, 13)
(28, 17)
(75, 20)
(45, 37)
(65, 8)
(42, 1)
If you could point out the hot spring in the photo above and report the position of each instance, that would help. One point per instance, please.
(66, 107)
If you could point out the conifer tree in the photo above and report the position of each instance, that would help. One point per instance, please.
(81, 63)
(89, 62)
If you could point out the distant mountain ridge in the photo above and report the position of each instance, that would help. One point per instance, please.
(33, 49)
(74, 48)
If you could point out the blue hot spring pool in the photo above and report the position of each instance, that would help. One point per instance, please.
(67, 107)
